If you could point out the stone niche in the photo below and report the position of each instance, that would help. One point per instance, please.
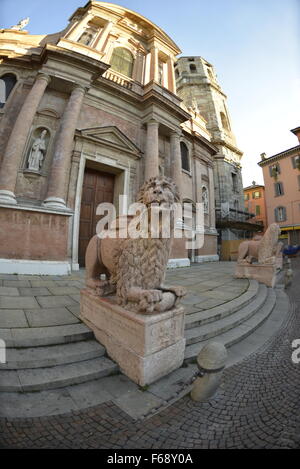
(146, 347)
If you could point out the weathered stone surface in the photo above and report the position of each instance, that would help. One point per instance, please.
(260, 272)
(145, 346)
(50, 317)
(12, 318)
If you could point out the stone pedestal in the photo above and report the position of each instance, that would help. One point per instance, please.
(146, 347)
(264, 273)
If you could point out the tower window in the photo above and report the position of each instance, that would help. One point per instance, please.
(234, 182)
(193, 68)
(185, 163)
(7, 82)
(122, 61)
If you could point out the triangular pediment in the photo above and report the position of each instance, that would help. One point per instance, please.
(111, 136)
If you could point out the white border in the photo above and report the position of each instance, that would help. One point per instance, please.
(207, 258)
(21, 266)
(174, 263)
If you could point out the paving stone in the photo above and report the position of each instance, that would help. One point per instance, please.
(74, 309)
(43, 283)
(63, 291)
(18, 302)
(54, 402)
(75, 298)
(137, 403)
(54, 301)
(16, 283)
(90, 394)
(9, 291)
(34, 291)
(12, 318)
(50, 317)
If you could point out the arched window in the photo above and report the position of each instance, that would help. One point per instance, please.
(224, 121)
(122, 61)
(185, 162)
(193, 68)
(7, 82)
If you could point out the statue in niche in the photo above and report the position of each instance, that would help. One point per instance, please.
(37, 152)
(21, 25)
(205, 199)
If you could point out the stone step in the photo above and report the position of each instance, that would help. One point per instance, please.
(42, 336)
(237, 334)
(201, 318)
(41, 379)
(53, 355)
(208, 331)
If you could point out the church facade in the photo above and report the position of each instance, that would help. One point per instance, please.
(86, 115)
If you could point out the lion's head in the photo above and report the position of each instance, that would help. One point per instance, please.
(158, 190)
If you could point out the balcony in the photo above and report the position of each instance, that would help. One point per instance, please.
(236, 219)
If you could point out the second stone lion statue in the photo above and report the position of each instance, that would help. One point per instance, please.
(262, 249)
(135, 268)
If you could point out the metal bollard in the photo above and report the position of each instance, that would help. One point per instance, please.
(211, 362)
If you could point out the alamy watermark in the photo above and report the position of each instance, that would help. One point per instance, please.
(296, 352)
(2, 351)
(153, 221)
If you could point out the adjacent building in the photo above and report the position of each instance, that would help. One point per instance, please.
(282, 190)
(255, 203)
(86, 115)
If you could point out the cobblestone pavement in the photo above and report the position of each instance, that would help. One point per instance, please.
(257, 406)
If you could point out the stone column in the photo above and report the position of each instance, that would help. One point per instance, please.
(58, 180)
(103, 36)
(211, 202)
(171, 75)
(17, 139)
(154, 64)
(151, 154)
(176, 159)
(137, 73)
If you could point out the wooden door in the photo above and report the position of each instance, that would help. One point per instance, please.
(97, 187)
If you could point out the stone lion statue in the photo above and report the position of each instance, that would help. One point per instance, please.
(265, 249)
(135, 267)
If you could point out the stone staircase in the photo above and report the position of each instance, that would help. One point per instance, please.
(52, 357)
(66, 360)
(230, 322)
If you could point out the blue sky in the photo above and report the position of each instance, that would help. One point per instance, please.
(253, 44)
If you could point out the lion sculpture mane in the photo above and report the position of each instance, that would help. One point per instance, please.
(263, 249)
(135, 267)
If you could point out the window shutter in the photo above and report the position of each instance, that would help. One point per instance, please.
(276, 214)
(278, 168)
(276, 188)
(284, 214)
(270, 170)
(294, 162)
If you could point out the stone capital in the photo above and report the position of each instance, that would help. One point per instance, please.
(152, 122)
(176, 134)
(79, 87)
(44, 76)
